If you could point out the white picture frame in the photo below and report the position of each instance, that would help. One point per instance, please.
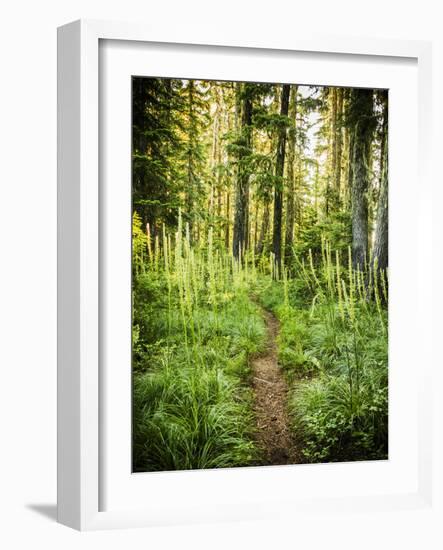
(81, 464)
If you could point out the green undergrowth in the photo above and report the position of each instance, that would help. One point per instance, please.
(333, 348)
(194, 333)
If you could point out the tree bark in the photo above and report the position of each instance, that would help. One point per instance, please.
(190, 160)
(333, 131)
(347, 150)
(363, 120)
(240, 237)
(264, 227)
(228, 219)
(290, 197)
(278, 190)
(339, 142)
(380, 255)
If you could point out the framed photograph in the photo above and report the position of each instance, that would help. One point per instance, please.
(241, 231)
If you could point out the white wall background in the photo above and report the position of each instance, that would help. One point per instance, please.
(28, 263)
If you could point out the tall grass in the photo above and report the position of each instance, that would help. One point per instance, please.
(189, 418)
(194, 331)
(333, 346)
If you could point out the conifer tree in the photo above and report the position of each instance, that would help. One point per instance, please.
(279, 171)
(241, 216)
(362, 119)
(380, 254)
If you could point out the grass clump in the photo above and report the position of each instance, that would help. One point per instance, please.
(189, 417)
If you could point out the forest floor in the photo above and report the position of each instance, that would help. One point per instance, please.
(270, 401)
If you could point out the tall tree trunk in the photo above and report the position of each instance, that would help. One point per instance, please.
(232, 123)
(290, 197)
(350, 174)
(363, 119)
(215, 158)
(339, 142)
(380, 255)
(219, 178)
(317, 189)
(333, 132)
(347, 150)
(331, 98)
(264, 227)
(298, 202)
(240, 237)
(228, 219)
(279, 170)
(190, 159)
(257, 204)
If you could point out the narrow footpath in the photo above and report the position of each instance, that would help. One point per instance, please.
(270, 404)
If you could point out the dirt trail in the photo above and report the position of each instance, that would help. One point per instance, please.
(271, 392)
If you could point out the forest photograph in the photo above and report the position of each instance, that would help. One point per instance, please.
(259, 274)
